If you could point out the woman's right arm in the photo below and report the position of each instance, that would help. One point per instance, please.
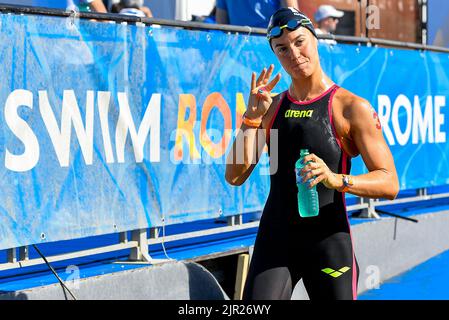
(250, 140)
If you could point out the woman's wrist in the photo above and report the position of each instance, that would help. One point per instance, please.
(250, 121)
(346, 183)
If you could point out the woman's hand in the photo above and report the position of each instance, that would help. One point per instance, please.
(317, 170)
(260, 95)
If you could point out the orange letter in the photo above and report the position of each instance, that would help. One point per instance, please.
(185, 127)
(215, 99)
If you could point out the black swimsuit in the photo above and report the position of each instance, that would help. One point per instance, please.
(288, 247)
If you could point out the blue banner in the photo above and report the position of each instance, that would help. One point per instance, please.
(111, 127)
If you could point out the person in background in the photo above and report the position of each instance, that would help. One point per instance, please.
(253, 13)
(86, 5)
(327, 18)
(210, 18)
(133, 8)
(76, 5)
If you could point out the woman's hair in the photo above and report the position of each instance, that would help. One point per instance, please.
(116, 8)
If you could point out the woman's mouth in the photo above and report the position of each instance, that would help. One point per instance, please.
(299, 64)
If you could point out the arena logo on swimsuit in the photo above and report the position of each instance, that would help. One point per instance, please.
(422, 122)
(298, 113)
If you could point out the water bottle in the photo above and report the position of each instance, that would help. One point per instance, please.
(308, 203)
(84, 7)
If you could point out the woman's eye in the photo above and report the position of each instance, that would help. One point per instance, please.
(281, 50)
(299, 43)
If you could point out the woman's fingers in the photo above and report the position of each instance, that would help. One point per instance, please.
(262, 80)
(312, 157)
(273, 82)
(260, 91)
(253, 81)
(316, 181)
(261, 76)
(268, 75)
(313, 174)
(310, 166)
(263, 94)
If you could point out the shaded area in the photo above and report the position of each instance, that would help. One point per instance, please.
(427, 281)
(169, 281)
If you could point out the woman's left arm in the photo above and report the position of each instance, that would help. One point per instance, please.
(365, 131)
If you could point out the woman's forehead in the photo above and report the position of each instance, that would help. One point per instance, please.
(288, 35)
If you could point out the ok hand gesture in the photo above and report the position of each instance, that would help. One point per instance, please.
(260, 96)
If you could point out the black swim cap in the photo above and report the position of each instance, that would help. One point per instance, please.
(281, 19)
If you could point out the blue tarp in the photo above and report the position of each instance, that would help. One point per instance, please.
(110, 127)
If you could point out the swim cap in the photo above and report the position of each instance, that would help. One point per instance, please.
(289, 18)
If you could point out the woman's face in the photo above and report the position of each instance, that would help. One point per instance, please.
(297, 52)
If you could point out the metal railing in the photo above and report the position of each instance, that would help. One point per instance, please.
(119, 18)
(141, 239)
(138, 245)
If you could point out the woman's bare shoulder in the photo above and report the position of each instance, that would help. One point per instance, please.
(350, 103)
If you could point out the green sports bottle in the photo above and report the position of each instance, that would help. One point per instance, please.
(84, 7)
(308, 203)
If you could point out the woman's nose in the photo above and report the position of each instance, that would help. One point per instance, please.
(295, 53)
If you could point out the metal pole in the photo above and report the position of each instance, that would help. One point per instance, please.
(123, 237)
(370, 211)
(360, 17)
(239, 219)
(366, 19)
(141, 251)
(397, 216)
(23, 253)
(11, 255)
(154, 233)
(424, 19)
(421, 192)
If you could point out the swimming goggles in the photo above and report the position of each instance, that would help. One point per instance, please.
(291, 25)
